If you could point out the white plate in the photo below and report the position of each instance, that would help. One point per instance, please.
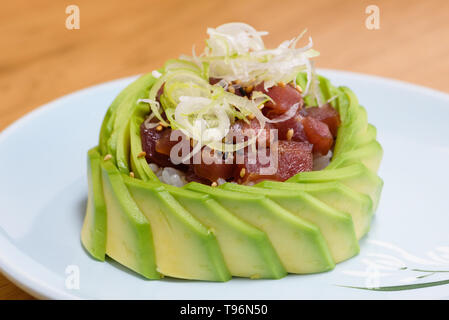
(43, 198)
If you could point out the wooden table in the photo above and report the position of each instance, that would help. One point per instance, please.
(41, 60)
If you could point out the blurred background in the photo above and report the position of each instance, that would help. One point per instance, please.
(40, 59)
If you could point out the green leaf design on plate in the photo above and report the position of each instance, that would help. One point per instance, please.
(432, 271)
(403, 287)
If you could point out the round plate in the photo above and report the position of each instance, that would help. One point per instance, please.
(43, 192)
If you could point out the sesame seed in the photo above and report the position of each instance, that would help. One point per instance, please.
(251, 116)
(231, 89)
(214, 184)
(237, 81)
(159, 128)
(107, 157)
(141, 154)
(290, 133)
(281, 84)
(299, 89)
(248, 89)
(131, 174)
(242, 172)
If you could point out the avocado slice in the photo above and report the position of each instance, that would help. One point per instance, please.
(118, 143)
(129, 238)
(356, 176)
(360, 140)
(139, 165)
(337, 195)
(354, 126)
(93, 233)
(370, 155)
(184, 247)
(299, 244)
(107, 126)
(247, 250)
(336, 226)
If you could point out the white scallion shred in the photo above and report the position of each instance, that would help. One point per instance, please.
(156, 74)
(236, 51)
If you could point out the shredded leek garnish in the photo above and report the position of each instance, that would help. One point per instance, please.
(234, 52)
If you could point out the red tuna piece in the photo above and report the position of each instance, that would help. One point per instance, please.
(292, 157)
(325, 114)
(242, 131)
(213, 166)
(284, 97)
(150, 138)
(318, 134)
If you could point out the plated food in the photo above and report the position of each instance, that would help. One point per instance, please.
(241, 161)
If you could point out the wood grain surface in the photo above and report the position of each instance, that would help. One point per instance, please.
(41, 60)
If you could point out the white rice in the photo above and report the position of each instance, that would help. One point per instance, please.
(319, 163)
(221, 181)
(169, 175)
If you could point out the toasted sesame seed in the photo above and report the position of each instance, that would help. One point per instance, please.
(237, 81)
(159, 128)
(299, 88)
(248, 89)
(242, 172)
(107, 157)
(281, 84)
(141, 154)
(251, 116)
(131, 174)
(290, 133)
(231, 89)
(214, 184)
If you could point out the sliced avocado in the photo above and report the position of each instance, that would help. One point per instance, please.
(247, 250)
(108, 122)
(337, 195)
(356, 176)
(361, 139)
(93, 234)
(370, 155)
(304, 225)
(354, 125)
(129, 236)
(299, 244)
(336, 226)
(118, 144)
(184, 247)
(139, 164)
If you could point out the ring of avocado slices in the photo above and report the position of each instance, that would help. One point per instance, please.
(304, 225)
